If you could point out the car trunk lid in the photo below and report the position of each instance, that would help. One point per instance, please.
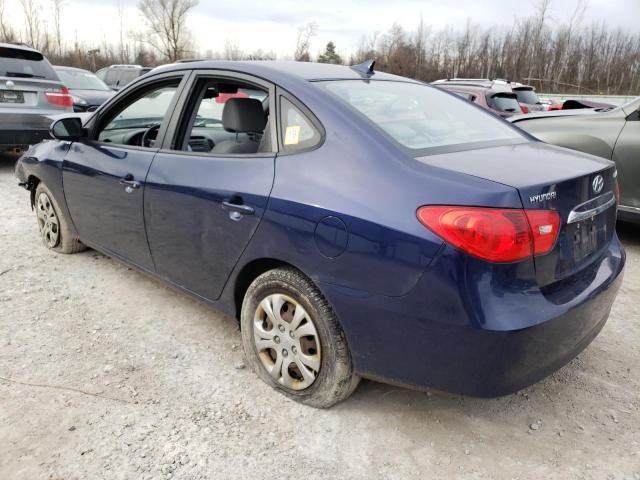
(578, 186)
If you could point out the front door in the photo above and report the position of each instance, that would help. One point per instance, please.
(207, 192)
(104, 177)
(627, 157)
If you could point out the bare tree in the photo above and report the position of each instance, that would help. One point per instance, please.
(7, 33)
(303, 42)
(32, 23)
(166, 21)
(57, 6)
(232, 51)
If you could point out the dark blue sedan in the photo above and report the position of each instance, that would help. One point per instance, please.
(358, 224)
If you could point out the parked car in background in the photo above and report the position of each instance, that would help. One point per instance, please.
(30, 92)
(117, 76)
(499, 102)
(87, 90)
(525, 94)
(358, 224)
(613, 134)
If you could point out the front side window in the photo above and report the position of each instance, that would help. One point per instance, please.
(421, 118)
(297, 131)
(138, 122)
(227, 117)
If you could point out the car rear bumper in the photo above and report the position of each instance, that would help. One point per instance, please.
(28, 127)
(404, 341)
(22, 138)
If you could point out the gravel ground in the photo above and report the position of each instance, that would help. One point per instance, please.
(105, 373)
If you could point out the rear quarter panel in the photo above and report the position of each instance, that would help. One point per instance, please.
(375, 189)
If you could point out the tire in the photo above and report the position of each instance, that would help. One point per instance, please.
(53, 225)
(320, 370)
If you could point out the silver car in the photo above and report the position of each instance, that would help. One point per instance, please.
(30, 93)
(611, 133)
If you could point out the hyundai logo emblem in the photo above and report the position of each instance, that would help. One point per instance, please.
(597, 184)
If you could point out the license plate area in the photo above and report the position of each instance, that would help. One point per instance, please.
(587, 236)
(10, 96)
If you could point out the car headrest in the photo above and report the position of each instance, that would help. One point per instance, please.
(243, 115)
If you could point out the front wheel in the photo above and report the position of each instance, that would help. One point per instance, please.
(293, 340)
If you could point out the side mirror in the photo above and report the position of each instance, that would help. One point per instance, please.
(68, 128)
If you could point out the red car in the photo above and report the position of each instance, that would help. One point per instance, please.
(500, 102)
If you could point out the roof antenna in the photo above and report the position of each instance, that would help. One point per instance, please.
(365, 67)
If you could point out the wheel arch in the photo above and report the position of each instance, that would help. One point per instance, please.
(252, 270)
(32, 185)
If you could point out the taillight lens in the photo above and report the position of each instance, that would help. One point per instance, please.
(524, 109)
(60, 98)
(493, 234)
(545, 226)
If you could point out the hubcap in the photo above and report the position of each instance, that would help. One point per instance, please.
(47, 221)
(287, 341)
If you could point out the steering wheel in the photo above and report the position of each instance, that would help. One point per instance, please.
(149, 136)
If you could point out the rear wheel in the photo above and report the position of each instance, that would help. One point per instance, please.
(54, 227)
(293, 340)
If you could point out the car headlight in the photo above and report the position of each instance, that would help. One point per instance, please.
(79, 101)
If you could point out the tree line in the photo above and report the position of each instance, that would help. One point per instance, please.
(563, 56)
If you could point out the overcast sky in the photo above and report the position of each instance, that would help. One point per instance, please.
(273, 24)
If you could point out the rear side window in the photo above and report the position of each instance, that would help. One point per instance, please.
(297, 132)
(18, 63)
(503, 102)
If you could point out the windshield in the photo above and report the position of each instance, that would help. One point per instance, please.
(527, 96)
(420, 117)
(81, 80)
(631, 105)
(18, 63)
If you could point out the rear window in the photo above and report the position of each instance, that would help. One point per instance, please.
(526, 96)
(503, 102)
(18, 63)
(128, 75)
(420, 118)
(81, 80)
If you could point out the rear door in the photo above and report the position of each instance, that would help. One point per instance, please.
(104, 177)
(202, 208)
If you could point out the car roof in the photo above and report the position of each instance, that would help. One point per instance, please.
(19, 47)
(73, 69)
(308, 71)
(490, 90)
(466, 88)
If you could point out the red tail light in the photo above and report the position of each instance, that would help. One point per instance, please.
(493, 234)
(61, 98)
(524, 109)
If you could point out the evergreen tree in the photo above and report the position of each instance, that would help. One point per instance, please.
(330, 55)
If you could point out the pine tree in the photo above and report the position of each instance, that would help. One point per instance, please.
(330, 55)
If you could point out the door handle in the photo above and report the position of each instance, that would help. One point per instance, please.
(236, 210)
(129, 183)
